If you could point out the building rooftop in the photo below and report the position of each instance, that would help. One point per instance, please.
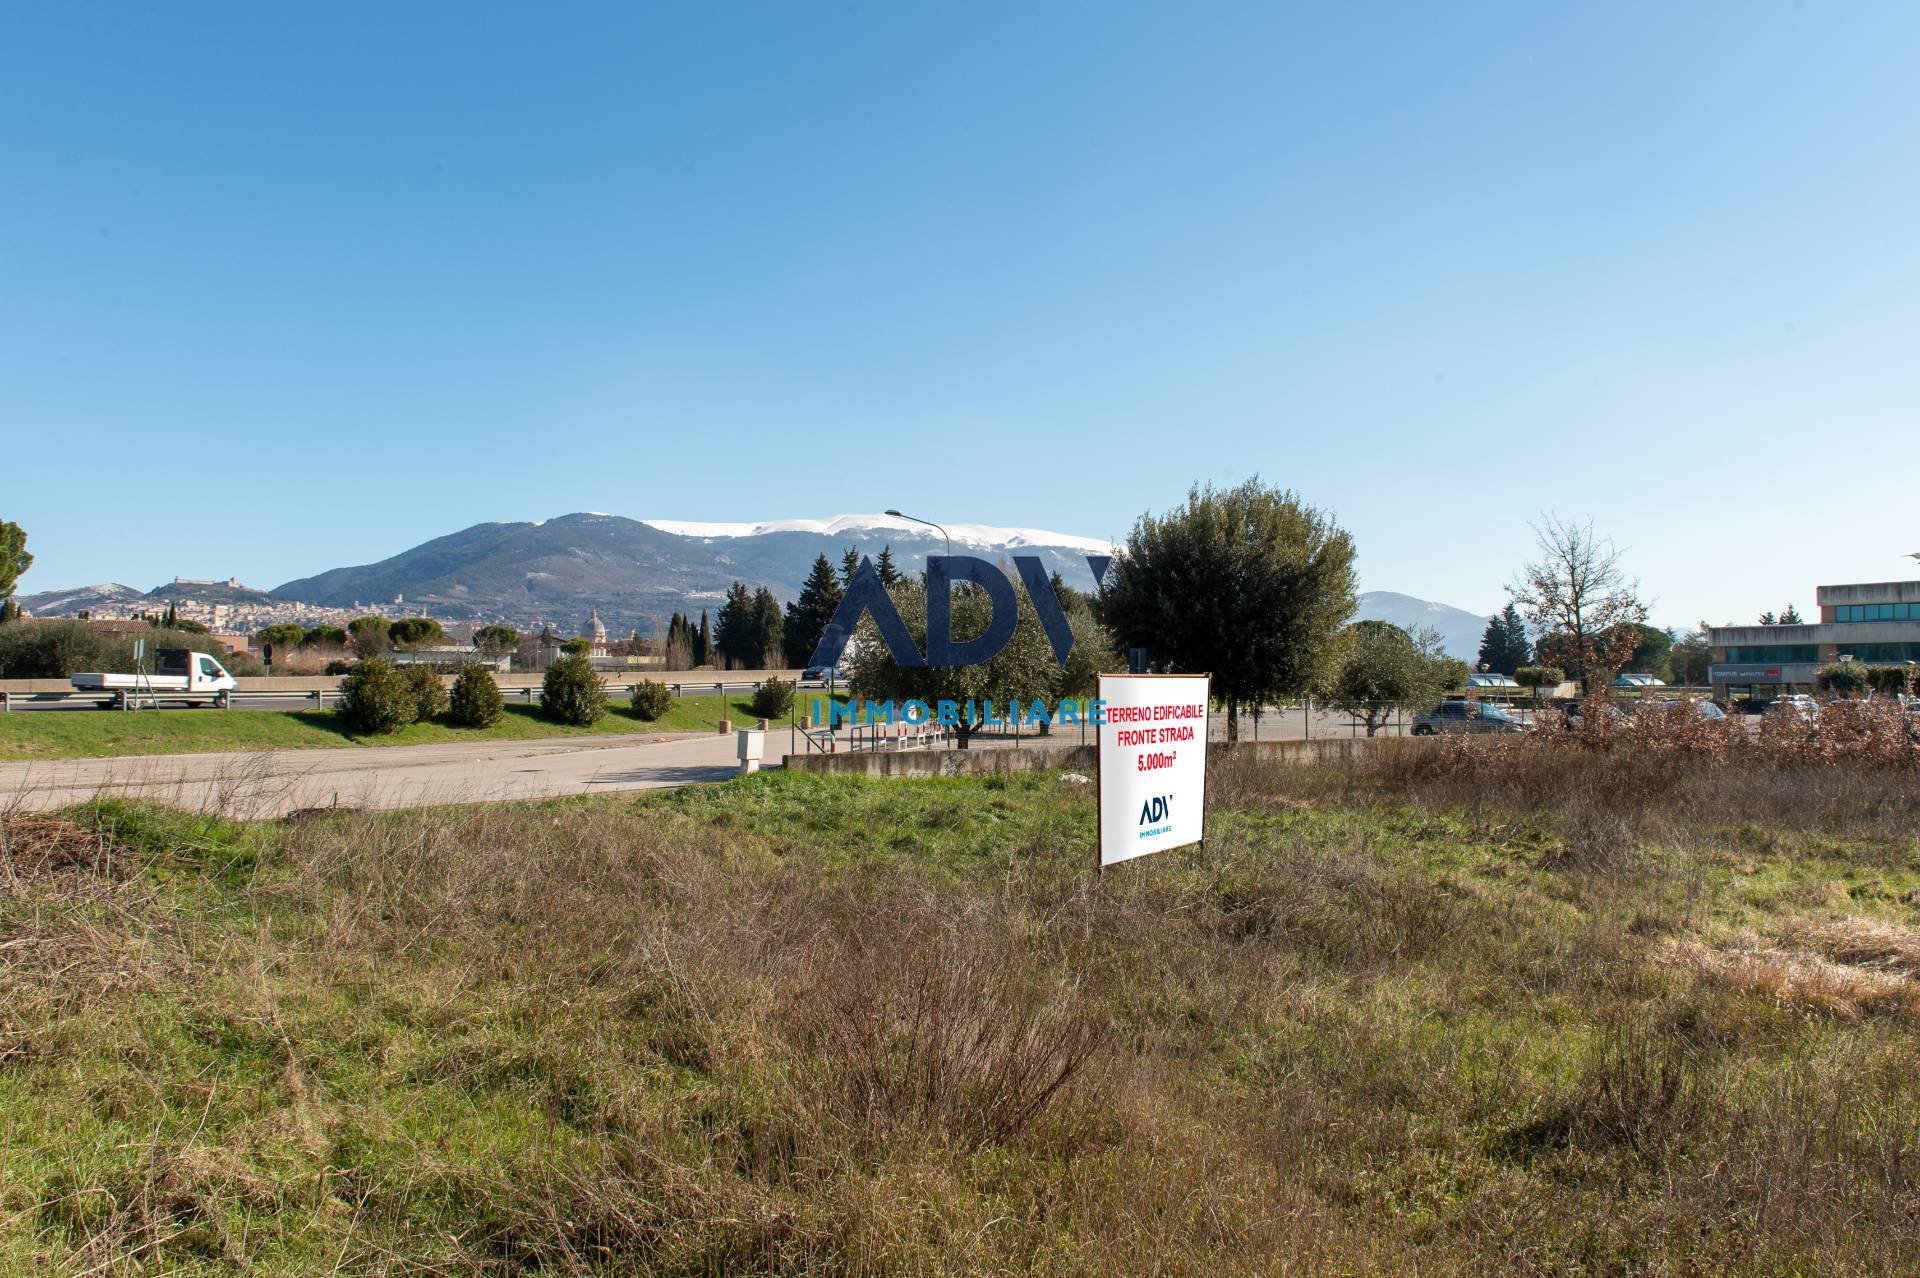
(1869, 592)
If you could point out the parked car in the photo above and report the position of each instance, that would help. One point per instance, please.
(1465, 716)
(1637, 682)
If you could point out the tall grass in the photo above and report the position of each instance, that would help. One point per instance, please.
(1473, 1010)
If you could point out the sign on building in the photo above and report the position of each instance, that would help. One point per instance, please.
(1153, 763)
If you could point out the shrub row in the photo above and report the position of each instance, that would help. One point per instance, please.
(378, 697)
(1855, 678)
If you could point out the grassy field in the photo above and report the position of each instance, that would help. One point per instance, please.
(71, 734)
(1409, 1015)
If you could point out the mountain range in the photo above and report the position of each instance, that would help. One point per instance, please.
(1459, 630)
(634, 572)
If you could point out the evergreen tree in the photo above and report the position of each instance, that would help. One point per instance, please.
(1791, 617)
(1493, 642)
(1767, 619)
(807, 616)
(767, 628)
(1503, 646)
(848, 563)
(884, 566)
(703, 651)
(1519, 651)
(677, 654)
(733, 637)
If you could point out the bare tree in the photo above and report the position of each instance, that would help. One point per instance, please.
(1584, 610)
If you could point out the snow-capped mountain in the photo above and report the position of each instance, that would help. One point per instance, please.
(634, 572)
(65, 603)
(973, 536)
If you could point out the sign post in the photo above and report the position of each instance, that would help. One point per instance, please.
(1153, 763)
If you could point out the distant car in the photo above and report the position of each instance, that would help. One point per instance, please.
(1576, 712)
(821, 674)
(1701, 706)
(1797, 704)
(1463, 716)
(1637, 682)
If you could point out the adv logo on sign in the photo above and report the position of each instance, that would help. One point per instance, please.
(1156, 810)
(866, 593)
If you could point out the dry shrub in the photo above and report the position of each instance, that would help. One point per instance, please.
(1821, 1156)
(1339, 903)
(80, 928)
(34, 846)
(1655, 774)
(898, 1013)
(509, 881)
(535, 1216)
(169, 1206)
(1640, 1090)
(923, 1025)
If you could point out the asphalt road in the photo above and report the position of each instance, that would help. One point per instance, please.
(274, 782)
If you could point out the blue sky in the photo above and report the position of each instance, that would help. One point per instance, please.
(340, 278)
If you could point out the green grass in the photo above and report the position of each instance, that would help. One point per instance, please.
(77, 734)
(749, 1027)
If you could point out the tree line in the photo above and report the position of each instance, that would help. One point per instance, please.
(1249, 583)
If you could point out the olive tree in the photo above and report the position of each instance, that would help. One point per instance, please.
(1383, 669)
(1249, 584)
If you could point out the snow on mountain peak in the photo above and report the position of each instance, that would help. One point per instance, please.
(978, 536)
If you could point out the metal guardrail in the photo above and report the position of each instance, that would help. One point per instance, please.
(867, 738)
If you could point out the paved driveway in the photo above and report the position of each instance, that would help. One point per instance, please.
(274, 782)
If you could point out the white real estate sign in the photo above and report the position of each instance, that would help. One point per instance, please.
(1153, 764)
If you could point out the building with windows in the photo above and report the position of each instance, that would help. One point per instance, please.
(1877, 623)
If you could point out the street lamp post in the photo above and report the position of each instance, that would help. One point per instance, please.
(929, 523)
